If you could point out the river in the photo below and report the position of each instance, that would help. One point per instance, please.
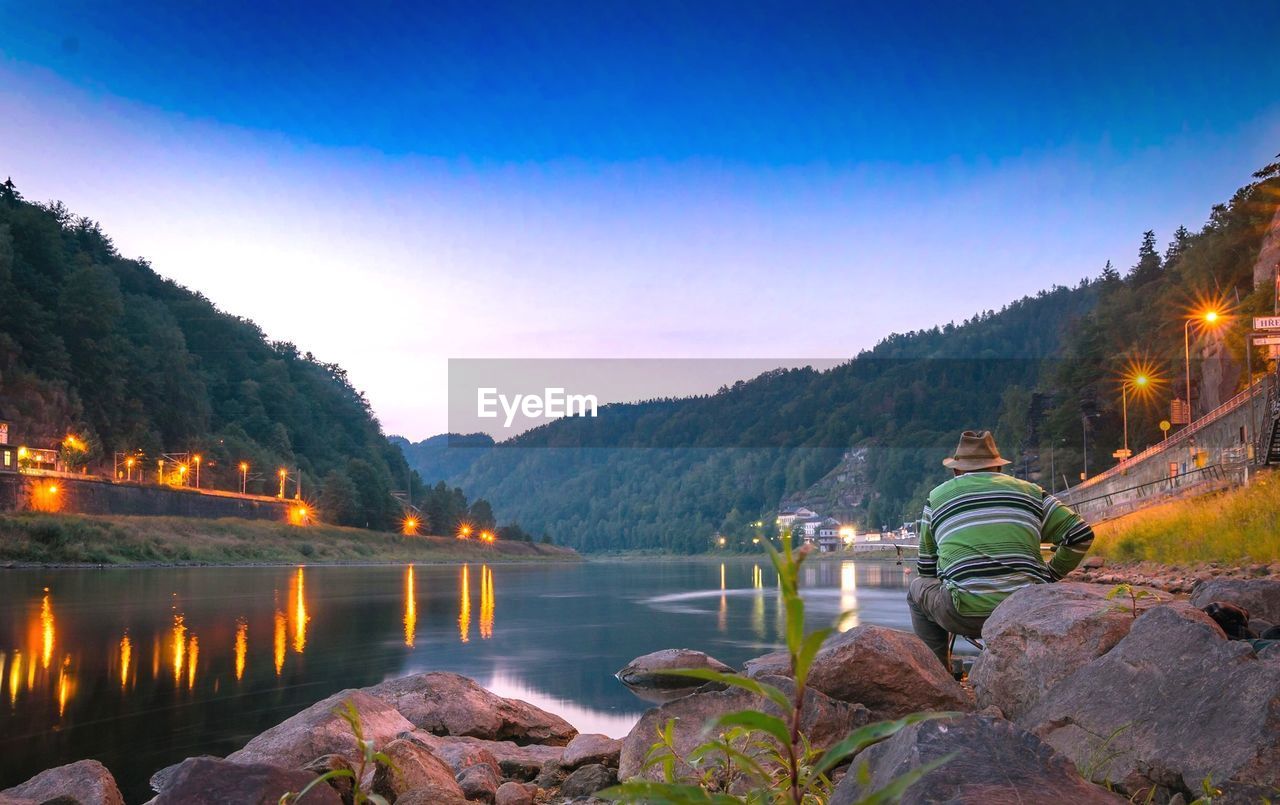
(140, 668)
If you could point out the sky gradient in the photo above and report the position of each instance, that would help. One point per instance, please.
(391, 188)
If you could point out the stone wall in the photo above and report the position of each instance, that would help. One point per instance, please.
(101, 496)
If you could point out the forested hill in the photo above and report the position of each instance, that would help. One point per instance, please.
(98, 345)
(673, 474)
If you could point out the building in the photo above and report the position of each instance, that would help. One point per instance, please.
(788, 516)
(8, 453)
(828, 535)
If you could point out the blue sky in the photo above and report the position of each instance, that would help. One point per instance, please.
(392, 188)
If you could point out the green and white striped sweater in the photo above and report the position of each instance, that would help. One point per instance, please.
(981, 534)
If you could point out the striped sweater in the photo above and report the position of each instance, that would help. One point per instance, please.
(981, 534)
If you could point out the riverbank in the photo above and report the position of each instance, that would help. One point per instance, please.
(1237, 527)
(76, 540)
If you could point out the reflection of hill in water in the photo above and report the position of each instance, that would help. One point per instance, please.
(586, 719)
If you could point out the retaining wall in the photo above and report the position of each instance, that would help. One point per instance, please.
(102, 496)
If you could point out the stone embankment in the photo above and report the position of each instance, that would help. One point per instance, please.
(1078, 697)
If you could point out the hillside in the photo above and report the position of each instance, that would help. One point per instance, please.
(864, 439)
(100, 346)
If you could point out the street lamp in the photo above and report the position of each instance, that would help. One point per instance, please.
(244, 476)
(128, 468)
(1209, 318)
(197, 459)
(1139, 381)
(283, 473)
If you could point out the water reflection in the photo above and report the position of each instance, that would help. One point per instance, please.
(78, 678)
(464, 605)
(849, 595)
(410, 607)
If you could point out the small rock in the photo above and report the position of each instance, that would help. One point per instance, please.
(344, 786)
(479, 783)
(1260, 596)
(647, 675)
(451, 704)
(514, 761)
(513, 793)
(428, 795)
(210, 781)
(414, 767)
(86, 781)
(1093, 563)
(588, 780)
(591, 748)
(551, 776)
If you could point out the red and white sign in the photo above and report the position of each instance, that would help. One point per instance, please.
(1266, 322)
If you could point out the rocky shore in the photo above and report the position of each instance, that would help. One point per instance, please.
(1077, 697)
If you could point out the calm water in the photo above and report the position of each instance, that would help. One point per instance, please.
(141, 668)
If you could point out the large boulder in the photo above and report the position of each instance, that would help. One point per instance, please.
(514, 761)
(211, 781)
(319, 730)
(1260, 596)
(413, 767)
(1172, 703)
(824, 720)
(649, 676)
(892, 672)
(450, 704)
(1039, 636)
(992, 762)
(86, 781)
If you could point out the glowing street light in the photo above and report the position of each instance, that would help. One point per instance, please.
(197, 458)
(464, 531)
(244, 476)
(128, 468)
(283, 473)
(409, 527)
(1209, 319)
(182, 474)
(487, 536)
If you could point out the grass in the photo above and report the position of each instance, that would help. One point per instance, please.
(80, 539)
(1240, 525)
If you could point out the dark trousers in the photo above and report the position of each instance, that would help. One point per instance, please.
(934, 617)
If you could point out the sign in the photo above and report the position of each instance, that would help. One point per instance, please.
(1122, 453)
(1266, 322)
(1165, 425)
(1266, 340)
(1179, 412)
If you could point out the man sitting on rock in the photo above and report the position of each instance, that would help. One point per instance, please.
(980, 538)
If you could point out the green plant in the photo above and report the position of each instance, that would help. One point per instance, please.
(755, 756)
(1208, 792)
(368, 755)
(1134, 593)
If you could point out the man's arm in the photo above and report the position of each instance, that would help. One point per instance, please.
(1064, 528)
(927, 561)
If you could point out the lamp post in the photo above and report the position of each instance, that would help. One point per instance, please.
(283, 473)
(1138, 381)
(244, 476)
(197, 459)
(128, 468)
(1211, 319)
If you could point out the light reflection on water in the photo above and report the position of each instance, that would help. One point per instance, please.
(141, 668)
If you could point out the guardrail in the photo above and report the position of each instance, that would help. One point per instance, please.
(1233, 473)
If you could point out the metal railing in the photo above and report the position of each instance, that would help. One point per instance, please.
(1175, 483)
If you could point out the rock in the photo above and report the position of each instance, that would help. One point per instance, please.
(588, 780)
(319, 730)
(210, 781)
(551, 776)
(647, 675)
(429, 795)
(479, 783)
(344, 787)
(1093, 563)
(85, 781)
(512, 793)
(450, 704)
(1040, 635)
(415, 767)
(1172, 703)
(892, 672)
(591, 748)
(824, 720)
(161, 778)
(993, 763)
(515, 761)
(1260, 596)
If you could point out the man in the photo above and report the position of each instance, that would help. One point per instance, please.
(980, 538)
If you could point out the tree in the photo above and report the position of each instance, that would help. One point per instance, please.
(340, 500)
(1149, 266)
(481, 514)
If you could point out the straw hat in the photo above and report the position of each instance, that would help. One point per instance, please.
(977, 451)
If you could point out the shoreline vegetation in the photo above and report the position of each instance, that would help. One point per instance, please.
(1240, 526)
(65, 540)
